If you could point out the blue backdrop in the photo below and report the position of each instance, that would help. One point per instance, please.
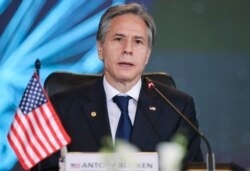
(61, 33)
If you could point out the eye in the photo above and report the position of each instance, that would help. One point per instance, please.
(119, 39)
(138, 41)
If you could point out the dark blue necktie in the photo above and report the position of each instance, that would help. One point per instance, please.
(124, 126)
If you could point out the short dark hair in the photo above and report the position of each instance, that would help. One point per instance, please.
(131, 8)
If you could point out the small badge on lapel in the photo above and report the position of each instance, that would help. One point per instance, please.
(93, 114)
(152, 108)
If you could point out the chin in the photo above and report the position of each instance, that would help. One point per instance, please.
(127, 77)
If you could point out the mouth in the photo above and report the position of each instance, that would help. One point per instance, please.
(126, 64)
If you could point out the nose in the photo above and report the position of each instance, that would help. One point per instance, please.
(128, 47)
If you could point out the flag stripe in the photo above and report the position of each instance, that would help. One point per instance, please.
(21, 145)
(63, 134)
(44, 129)
(60, 134)
(38, 135)
(26, 128)
(15, 144)
(50, 125)
(47, 130)
(30, 127)
(24, 138)
(42, 135)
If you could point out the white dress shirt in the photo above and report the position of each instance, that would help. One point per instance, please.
(113, 110)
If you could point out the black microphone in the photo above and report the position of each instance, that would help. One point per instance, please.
(210, 161)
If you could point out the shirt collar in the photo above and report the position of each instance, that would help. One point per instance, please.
(111, 91)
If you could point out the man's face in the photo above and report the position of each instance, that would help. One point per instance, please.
(125, 50)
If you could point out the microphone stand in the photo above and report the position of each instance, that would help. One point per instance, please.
(210, 159)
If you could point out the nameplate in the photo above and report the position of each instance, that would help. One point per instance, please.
(140, 161)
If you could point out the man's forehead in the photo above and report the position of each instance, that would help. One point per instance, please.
(128, 19)
(126, 25)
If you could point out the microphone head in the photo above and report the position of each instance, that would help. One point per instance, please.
(150, 83)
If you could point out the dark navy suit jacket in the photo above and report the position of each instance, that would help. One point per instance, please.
(155, 121)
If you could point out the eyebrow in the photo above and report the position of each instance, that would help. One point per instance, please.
(123, 35)
(120, 34)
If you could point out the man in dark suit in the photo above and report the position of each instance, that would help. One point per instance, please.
(90, 113)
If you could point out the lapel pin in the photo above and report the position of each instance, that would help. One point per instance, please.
(93, 114)
(153, 108)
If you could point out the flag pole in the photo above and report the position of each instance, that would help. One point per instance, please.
(38, 66)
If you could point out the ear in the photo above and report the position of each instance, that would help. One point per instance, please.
(99, 49)
(148, 56)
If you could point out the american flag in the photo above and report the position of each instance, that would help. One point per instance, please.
(36, 131)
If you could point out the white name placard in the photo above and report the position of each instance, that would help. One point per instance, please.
(140, 161)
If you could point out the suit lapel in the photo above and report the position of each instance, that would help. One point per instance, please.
(96, 111)
(148, 110)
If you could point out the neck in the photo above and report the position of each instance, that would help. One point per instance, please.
(122, 86)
